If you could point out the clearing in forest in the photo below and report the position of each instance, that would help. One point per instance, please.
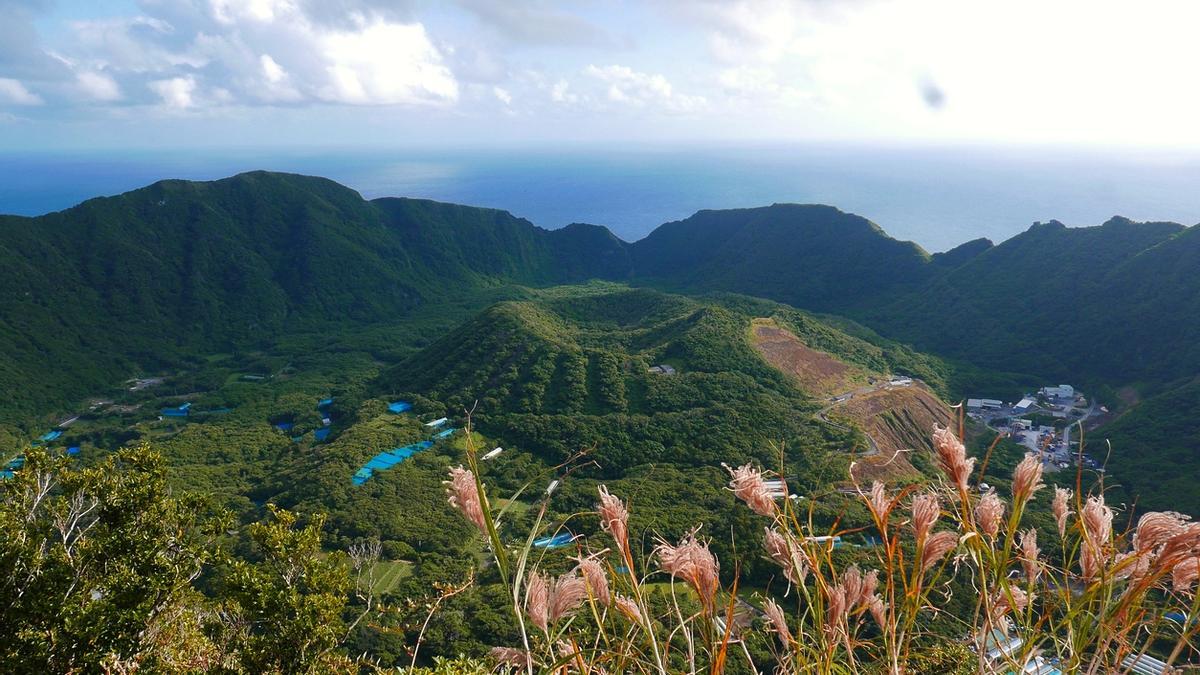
(817, 373)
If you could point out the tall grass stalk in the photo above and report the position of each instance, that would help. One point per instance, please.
(1102, 597)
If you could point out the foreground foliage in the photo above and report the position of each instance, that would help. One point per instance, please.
(104, 569)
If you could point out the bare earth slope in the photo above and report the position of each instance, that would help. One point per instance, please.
(817, 373)
(895, 418)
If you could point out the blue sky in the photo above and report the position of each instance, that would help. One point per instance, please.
(337, 73)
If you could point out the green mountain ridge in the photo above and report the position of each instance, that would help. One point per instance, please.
(1062, 302)
(162, 276)
(810, 256)
(121, 284)
(117, 284)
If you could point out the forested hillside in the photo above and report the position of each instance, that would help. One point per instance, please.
(1096, 304)
(809, 256)
(114, 285)
(573, 370)
(1154, 451)
(163, 277)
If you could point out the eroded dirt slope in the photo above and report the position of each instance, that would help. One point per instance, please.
(817, 373)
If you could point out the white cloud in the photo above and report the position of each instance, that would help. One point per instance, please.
(133, 45)
(537, 22)
(384, 63)
(14, 92)
(559, 92)
(628, 86)
(1024, 70)
(264, 51)
(277, 83)
(176, 92)
(98, 86)
(272, 70)
(231, 11)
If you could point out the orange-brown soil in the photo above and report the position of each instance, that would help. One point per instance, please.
(817, 373)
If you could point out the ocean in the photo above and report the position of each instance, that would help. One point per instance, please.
(937, 197)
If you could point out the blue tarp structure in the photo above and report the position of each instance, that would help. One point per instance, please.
(322, 433)
(51, 435)
(399, 407)
(444, 434)
(73, 450)
(181, 411)
(386, 460)
(284, 426)
(13, 464)
(324, 403)
(555, 541)
(1177, 617)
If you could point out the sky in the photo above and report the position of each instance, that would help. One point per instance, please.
(100, 74)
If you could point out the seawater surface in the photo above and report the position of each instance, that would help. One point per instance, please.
(938, 197)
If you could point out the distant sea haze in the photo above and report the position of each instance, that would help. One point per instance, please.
(938, 197)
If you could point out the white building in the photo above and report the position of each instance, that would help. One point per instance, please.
(1144, 664)
(985, 403)
(1061, 391)
(1024, 404)
(775, 488)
